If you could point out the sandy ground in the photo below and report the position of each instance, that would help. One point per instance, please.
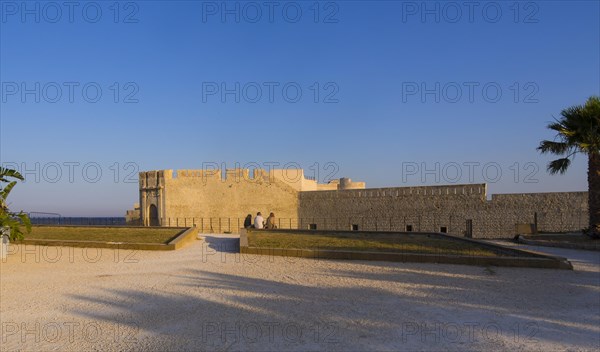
(204, 297)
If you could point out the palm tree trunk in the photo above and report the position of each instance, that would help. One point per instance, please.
(594, 189)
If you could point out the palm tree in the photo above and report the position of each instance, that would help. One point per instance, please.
(578, 131)
(13, 221)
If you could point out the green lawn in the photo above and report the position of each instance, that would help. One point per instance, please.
(373, 242)
(108, 234)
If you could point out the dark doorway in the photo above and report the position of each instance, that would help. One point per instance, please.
(153, 215)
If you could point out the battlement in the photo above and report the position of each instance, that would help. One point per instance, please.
(294, 178)
(230, 174)
(471, 190)
(154, 179)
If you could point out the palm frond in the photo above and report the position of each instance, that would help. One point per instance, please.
(7, 173)
(556, 126)
(25, 220)
(6, 190)
(571, 112)
(559, 166)
(558, 148)
(592, 106)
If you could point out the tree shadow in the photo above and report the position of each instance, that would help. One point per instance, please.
(377, 306)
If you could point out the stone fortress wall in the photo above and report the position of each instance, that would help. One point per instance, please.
(445, 209)
(218, 202)
(190, 196)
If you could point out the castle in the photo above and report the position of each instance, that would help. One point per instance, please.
(218, 202)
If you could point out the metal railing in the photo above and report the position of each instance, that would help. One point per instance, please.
(488, 226)
(453, 224)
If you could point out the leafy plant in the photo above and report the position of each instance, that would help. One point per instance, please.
(13, 221)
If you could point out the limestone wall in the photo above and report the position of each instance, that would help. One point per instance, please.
(440, 208)
(218, 202)
(133, 216)
(565, 211)
(422, 208)
(200, 197)
(152, 185)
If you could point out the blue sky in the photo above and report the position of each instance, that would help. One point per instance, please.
(492, 75)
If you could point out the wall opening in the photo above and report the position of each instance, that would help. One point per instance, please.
(469, 229)
(354, 227)
(409, 228)
(153, 211)
(312, 226)
(443, 229)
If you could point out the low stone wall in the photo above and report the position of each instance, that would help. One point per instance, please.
(591, 246)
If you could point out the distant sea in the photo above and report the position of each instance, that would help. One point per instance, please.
(78, 221)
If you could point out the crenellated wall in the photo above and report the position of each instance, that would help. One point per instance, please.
(189, 197)
(231, 197)
(431, 208)
(166, 196)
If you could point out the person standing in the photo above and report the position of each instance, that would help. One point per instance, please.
(259, 222)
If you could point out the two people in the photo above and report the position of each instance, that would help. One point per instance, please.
(259, 222)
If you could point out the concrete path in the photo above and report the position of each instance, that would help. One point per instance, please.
(582, 260)
(207, 297)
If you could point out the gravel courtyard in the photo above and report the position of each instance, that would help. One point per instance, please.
(206, 297)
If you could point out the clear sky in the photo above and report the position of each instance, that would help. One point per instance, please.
(380, 89)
